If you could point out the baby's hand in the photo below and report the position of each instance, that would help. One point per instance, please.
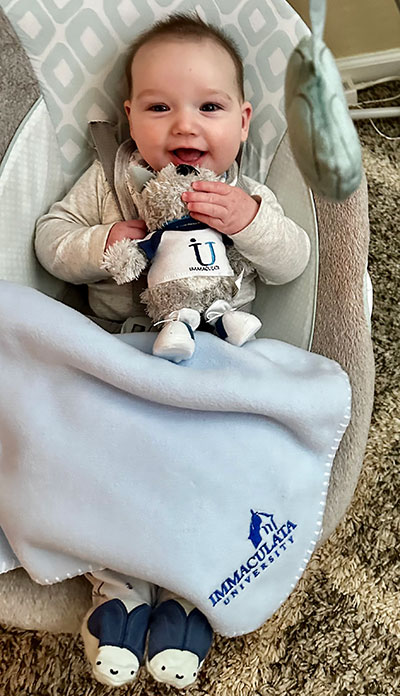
(128, 229)
(228, 209)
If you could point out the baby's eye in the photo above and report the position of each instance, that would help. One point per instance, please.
(158, 107)
(210, 106)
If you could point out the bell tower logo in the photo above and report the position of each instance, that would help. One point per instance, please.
(270, 543)
(261, 523)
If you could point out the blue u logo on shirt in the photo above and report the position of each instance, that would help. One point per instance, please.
(196, 246)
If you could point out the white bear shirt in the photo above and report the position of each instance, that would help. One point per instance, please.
(185, 251)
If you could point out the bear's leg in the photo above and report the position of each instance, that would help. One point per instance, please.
(114, 630)
(232, 325)
(175, 341)
(179, 639)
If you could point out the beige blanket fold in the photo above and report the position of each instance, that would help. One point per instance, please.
(342, 333)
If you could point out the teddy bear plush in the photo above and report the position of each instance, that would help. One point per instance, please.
(194, 270)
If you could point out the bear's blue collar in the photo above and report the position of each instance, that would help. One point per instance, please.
(184, 223)
(150, 245)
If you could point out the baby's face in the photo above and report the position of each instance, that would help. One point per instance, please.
(185, 105)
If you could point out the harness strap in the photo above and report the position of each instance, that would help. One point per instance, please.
(104, 136)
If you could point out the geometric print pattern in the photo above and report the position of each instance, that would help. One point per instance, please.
(77, 49)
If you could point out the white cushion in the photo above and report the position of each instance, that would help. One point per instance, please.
(31, 178)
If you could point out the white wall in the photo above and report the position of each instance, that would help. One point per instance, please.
(354, 27)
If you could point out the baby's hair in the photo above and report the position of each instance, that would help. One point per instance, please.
(186, 26)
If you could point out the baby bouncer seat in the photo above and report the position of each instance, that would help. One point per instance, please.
(75, 52)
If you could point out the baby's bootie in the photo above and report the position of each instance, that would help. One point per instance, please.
(114, 630)
(175, 341)
(178, 642)
(231, 325)
(114, 634)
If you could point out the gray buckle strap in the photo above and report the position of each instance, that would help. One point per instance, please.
(104, 136)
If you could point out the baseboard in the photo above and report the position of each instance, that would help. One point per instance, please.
(368, 67)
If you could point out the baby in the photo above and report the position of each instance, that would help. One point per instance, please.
(186, 105)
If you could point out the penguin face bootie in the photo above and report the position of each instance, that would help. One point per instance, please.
(114, 636)
(178, 642)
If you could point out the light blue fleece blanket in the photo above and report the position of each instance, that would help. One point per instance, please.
(208, 478)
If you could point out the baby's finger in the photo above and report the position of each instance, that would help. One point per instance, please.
(209, 221)
(203, 197)
(210, 209)
(136, 234)
(136, 224)
(212, 187)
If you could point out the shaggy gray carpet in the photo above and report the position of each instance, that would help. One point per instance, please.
(338, 634)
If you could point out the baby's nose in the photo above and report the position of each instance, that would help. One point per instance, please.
(185, 123)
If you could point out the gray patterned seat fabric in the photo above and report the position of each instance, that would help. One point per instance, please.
(73, 50)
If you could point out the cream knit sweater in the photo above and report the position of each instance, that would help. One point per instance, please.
(71, 237)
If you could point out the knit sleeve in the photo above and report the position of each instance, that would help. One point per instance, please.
(70, 238)
(276, 246)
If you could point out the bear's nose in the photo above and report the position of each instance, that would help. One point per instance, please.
(179, 676)
(186, 169)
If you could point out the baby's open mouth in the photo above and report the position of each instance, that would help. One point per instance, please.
(188, 154)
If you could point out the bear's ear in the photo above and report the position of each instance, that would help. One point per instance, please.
(139, 177)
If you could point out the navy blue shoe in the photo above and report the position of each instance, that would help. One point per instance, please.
(178, 643)
(115, 640)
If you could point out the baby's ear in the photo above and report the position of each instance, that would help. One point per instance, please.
(139, 177)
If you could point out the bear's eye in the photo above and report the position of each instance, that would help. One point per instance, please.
(98, 662)
(163, 667)
(133, 671)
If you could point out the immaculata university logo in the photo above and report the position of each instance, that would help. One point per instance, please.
(270, 542)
